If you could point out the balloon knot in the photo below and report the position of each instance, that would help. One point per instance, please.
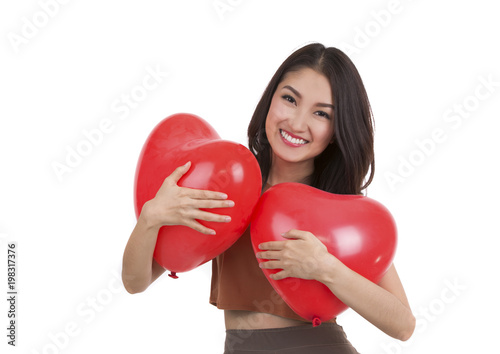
(173, 275)
(316, 322)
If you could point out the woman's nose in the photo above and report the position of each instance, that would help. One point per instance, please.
(298, 122)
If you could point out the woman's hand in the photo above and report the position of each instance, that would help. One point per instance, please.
(301, 256)
(172, 205)
(175, 205)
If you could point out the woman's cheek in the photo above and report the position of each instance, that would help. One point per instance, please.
(279, 111)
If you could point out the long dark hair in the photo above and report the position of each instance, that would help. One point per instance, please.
(342, 167)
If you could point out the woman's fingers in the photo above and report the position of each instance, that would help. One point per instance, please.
(170, 183)
(212, 204)
(270, 265)
(272, 245)
(195, 225)
(179, 172)
(177, 205)
(206, 216)
(197, 193)
(269, 255)
(204, 194)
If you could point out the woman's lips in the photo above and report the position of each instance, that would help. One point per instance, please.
(292, 140)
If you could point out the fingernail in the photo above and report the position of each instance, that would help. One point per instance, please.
(227, 218)
(230, 203)
(223, 195)
(212, 232)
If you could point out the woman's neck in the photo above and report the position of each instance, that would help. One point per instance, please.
(282, 171)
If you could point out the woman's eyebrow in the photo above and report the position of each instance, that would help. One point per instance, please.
(300, 96)
(326, 105)
(293, 90)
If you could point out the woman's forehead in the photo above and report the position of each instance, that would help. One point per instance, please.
(307, 81)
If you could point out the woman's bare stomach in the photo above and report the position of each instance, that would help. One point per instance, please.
(236, 319)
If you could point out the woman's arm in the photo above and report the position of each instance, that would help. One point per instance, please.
(172, 205)
(384, 304)
(139, 268)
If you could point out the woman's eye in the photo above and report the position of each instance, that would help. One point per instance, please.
(323, 114)
(288, 98)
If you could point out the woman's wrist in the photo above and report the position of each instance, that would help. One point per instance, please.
(148, 217)
(330, 269)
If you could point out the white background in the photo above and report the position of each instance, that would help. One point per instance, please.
(65, 67)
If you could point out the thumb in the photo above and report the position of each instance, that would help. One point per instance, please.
(293, 234)
(179, 172)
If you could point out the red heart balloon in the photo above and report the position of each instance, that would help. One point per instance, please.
(217, 165)
(359, 231)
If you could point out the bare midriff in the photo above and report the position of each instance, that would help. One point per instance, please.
(236, 319)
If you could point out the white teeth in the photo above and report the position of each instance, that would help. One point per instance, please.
(292, 140)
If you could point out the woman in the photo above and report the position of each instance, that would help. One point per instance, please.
(313, 125)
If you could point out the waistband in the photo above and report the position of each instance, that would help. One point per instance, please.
(327, 335)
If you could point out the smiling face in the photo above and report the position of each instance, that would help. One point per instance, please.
(299, 123)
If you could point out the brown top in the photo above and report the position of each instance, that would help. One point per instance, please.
(238, 283)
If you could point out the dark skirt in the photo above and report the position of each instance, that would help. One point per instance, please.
(328, 338)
